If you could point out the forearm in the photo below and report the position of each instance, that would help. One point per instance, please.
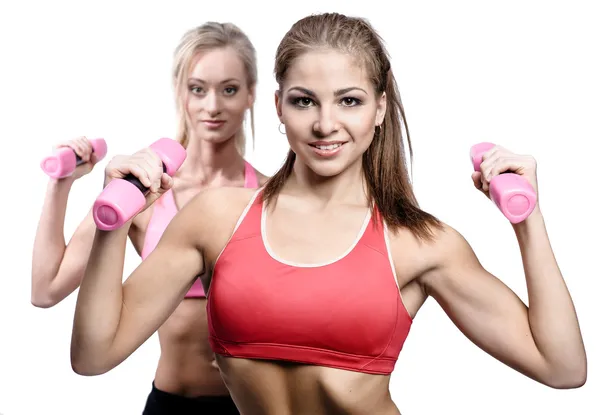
(99, 304)
(552, 315)
(49, 244)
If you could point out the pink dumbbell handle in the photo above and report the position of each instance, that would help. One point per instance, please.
(63, 161)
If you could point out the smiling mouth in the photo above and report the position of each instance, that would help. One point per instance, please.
(327, 147)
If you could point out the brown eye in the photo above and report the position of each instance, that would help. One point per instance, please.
(350, 102)
(302, 102)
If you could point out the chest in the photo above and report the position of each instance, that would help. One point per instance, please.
(312, 238)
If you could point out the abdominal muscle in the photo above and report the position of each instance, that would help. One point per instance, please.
(186, 365)
(261, 387)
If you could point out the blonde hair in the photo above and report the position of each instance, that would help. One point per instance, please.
(208, 36)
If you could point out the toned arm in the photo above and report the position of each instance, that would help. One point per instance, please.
(542, 341)
(112, 319)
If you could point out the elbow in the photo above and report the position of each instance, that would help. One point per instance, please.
(572, 378)
(86, 370)
(42, 299)
(87, 364)
(43, 294)
(87, 367)
(47, 295)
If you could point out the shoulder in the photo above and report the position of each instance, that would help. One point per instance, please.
(452, 261)
(214, 211)
(218, 200)
(427, 260)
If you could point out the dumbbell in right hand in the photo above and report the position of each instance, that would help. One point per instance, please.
(124, 198)
(63, 161)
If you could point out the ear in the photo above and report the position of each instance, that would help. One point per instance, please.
(381, 109)
(278, 104)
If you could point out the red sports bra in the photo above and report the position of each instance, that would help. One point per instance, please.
(347, 313)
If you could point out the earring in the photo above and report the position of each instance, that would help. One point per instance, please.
(282, 132)
(377, 130)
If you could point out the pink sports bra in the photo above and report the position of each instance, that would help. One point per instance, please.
(165, 208)
(346, 313)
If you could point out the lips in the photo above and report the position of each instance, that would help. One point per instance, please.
(326, 144)
(213, 123)
(327, 148)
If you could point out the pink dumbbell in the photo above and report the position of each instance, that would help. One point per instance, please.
(122, 199)
(512, 194)
(63, 161)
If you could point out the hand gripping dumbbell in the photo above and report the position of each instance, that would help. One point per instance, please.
(512, 193)
(63, 161)
(124, 198)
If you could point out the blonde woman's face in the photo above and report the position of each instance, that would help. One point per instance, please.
(217, 95)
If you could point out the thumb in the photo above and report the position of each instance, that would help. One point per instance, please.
(477, 182)
(166, 182)
(476, 177)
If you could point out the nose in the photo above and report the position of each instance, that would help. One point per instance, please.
(213, 104)
(327, 123)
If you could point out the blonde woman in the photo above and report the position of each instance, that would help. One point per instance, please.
(214, 78)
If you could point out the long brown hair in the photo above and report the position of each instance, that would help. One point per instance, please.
(384, 162)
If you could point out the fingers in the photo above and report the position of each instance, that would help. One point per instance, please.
(499, 160)
(476, 177)
(145, 165)
(93, 158)
(81, 146)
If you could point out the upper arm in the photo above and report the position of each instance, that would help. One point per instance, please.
(489, 313)
(158, 285)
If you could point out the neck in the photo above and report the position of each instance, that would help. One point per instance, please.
(345, 188)
(208, 162)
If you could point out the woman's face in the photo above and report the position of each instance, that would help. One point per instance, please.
(217, 95)
(330, 109)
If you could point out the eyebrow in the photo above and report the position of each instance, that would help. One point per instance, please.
(226, 81)
(336, 93)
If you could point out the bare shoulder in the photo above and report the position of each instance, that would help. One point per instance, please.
(217, 202)
(212, 214)
(421, 260)
(447, 258)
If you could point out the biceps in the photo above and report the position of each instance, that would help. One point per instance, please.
(483, 307)
(154, 290)
(491, 315)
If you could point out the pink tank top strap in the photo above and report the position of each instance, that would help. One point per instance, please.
(250, 175)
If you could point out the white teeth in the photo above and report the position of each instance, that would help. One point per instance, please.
(329, 147)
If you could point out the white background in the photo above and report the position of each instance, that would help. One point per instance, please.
(522, 74)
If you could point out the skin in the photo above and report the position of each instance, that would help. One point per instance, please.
(317, 217)
(218, 89)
